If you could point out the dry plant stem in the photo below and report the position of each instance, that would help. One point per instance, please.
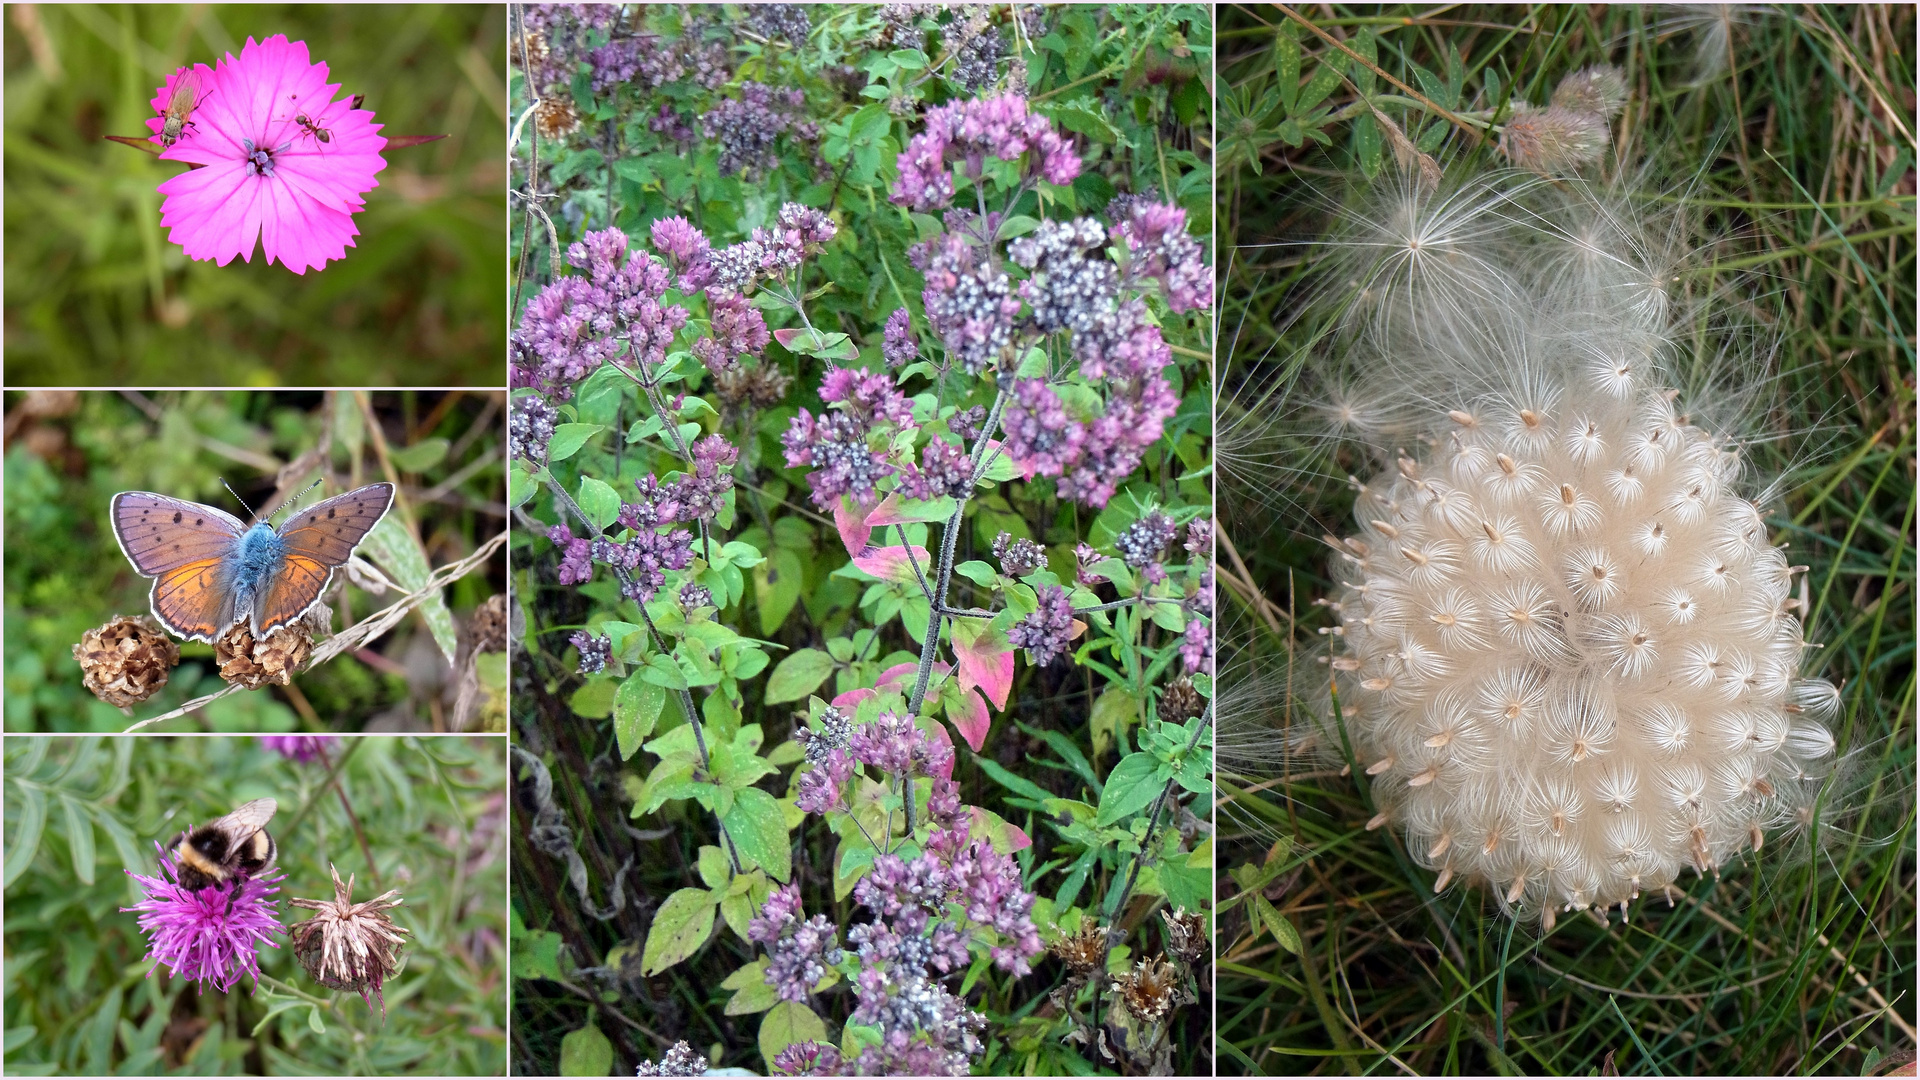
(533, 156)
(364, 631)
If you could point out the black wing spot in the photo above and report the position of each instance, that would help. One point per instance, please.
(176, 517)
(197, 522)
(332, 510)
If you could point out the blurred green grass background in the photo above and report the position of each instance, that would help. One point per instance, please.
(97, 296)
(432, 811)
(1790, 133)
(68, 452)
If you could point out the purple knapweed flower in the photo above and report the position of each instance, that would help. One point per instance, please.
(210, 936)
(301, 748)
(1047, 632)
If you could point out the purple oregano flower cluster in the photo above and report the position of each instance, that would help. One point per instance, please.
(925, 912)
(848, 445)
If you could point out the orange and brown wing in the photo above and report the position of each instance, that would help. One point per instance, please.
(327, 532)
(194, 600)
(157, 533)
(301, 580)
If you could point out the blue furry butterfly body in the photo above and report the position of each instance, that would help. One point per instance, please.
(211, 572)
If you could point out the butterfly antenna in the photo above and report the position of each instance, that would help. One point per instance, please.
(295, 501)
(236, 495)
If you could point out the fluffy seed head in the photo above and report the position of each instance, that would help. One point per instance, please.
(1566, 654)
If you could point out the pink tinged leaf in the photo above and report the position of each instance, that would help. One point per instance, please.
(787, 337)
(851, 519)
(1005, 836)
(893, 510)
(890, 563)
(970, 718)
(985, 659)
(854, 697)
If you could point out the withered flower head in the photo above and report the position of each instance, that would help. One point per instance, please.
(1180, 702)
(1148, 990)
(1186, 934)
(556, 118)
(126, 661)
(349, 946)
(253, 663)
(1083, 951)
(488, 625)
(682, 1060)
(762, 386)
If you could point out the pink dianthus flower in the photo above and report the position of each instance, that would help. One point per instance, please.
(294, 187)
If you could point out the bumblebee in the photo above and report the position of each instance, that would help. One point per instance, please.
(235, 846)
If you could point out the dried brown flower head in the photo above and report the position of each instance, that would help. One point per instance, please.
(349, 946)
(252, 664)
(1150, 990)
(1083, 951)
(127, 660)
(556, 118)
(487, 628)
(1180, 702)
(1186, 934)
(763, 386)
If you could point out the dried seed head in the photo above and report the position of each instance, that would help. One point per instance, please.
(1601, 91)
(127, 660)
(1150, 990)
(1553, 140)
(252, 664)
(1083, 951)
(1187, 936)
(349, 946)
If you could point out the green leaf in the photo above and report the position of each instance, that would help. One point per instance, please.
(636, 708)
(751, 992)
(1365, 50)
(798, 675)
(599, 502)
(1113, 711)
(392, 547)
(1433, 86)
(569, 438)
(421, 456)
(536, 953)
(79, 837)
(1324, 81)
(1286, 63)
(319, 1026)
(759, 830)
(679, 928)
(594, 699)
(1367, 144)
(713, 867)
(586, 1052)
(1132, 784)
(776, 587)
(25, 840)
(521, 484)
(1283, 931)
(787, 1023)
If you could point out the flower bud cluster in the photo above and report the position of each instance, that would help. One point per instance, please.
(972, 131)
(746, 127)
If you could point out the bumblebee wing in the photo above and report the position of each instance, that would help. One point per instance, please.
(246, 819)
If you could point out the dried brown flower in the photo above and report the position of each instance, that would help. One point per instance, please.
(127, 660)
(1186, 934)
(556, 118)
(1084, 951)
(349, 946)
(253, 664)
(762, 386)
(1150, 990)
(1180, 702)
(487, 628)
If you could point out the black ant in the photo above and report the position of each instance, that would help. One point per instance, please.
(309, 127)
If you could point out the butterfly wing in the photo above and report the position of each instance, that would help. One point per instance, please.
(316, 541)
(196, 600)
(158, 534)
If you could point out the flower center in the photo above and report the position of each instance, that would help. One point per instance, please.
(259, 158)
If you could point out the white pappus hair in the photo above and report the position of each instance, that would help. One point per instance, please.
(1568, 657)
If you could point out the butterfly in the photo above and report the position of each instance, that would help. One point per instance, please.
(211, 572)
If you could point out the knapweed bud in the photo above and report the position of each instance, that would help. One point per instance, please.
(349, 946)
(1553, 140)
(127, 660)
